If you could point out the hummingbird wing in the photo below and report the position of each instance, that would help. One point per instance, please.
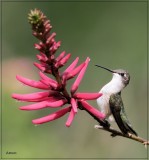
(117, 109)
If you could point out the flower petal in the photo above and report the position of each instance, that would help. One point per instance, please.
(72, 66)
(54, 47)
(60, 56)
(50, 37)
(44, 104)
(48, 81)
(92, 110)
(51, 84)
(40, 66)
(37, 46)
(42, 57)
(40, 46)
(35, 97)
(45, 58)
(73, 73)
(32, 83)
(87, 96)
(51, 99)
(70, 118)
(74, 105)
(63, 61)
(79, 78)
(43, 76)
(52, 116)
(25, 97)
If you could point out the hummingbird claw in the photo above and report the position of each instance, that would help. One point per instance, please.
(98, 127)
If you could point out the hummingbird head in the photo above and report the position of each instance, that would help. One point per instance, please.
(119, 75)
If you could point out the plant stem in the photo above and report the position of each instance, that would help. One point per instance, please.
(118, 133)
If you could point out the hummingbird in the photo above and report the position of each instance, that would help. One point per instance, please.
(111, 104)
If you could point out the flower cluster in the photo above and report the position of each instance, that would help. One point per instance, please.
(52, 81)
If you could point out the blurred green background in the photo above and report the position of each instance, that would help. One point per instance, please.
(112, 34)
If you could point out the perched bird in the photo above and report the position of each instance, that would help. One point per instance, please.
(111, 104)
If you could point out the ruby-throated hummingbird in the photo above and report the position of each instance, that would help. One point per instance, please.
(111, 104)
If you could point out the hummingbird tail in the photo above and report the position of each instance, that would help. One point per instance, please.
(117, 109)
(131, 130)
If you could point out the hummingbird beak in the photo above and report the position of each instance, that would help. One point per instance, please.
(105, 68)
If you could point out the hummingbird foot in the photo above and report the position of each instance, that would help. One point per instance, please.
(98, 126)
(104, 123)
(102, 127)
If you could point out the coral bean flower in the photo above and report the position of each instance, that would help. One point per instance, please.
(53, 82)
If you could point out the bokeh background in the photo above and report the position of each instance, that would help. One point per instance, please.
(112, 34)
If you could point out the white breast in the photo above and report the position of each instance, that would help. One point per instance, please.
(103, 103)
(113, 87)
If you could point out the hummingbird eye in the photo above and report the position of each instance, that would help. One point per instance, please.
(122, 74)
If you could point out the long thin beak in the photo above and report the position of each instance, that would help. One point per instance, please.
(104, 68)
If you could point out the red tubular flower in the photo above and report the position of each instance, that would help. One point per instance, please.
(63, 61)
(70, 118)
(54, 47)
(44, 104)
(48, 81)
(79, 78)
(50, 38)
(60, 56)
(92, 110)
(74, 105)
(32, 83)
(73, 73)
(40, 66)
(87, 96)
(55, 94)
(37, 46)
(31, 96)
(72, 66)
(52, 116)
(38, 96)
(42, 57)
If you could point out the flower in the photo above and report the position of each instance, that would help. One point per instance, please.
(55, 94)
